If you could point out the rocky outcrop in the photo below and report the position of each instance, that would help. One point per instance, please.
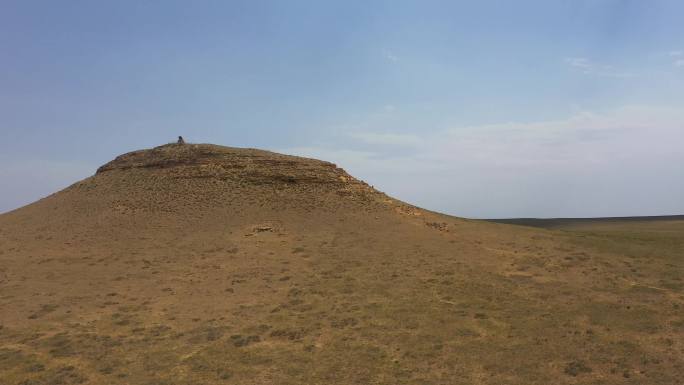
(250, 165)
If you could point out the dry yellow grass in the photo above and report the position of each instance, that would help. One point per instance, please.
(202, 264)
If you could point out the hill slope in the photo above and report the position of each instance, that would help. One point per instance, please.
(189, 264)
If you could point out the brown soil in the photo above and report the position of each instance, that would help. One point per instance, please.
(202, 264)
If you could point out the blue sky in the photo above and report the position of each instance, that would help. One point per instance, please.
(480, 109)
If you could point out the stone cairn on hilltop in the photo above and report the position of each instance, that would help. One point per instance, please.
(180, 140)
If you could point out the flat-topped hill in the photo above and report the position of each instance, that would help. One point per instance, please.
(201, 264)
(240, 164)
(220, 172)
(192, 186)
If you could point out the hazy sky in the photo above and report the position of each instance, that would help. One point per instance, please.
(480, 108)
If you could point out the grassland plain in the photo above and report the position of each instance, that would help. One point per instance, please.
(201, 264)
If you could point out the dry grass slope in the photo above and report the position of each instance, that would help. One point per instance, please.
(201, 264)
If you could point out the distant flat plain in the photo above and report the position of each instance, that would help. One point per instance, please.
(634, 223)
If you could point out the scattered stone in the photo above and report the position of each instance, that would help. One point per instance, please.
(240, 341)
(576, 368)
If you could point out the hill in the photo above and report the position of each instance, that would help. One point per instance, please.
(202, 264)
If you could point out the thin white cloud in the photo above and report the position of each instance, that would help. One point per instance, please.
(588, 67)
(678, 57)
(389, 55)
(579, 62)
(586, 138)
(386, 138)
(389, 108)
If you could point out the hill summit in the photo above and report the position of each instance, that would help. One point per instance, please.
(218, 170)
(257, 167)
(192, 186)
(202, 264)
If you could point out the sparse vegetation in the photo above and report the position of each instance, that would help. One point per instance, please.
(201, 264)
